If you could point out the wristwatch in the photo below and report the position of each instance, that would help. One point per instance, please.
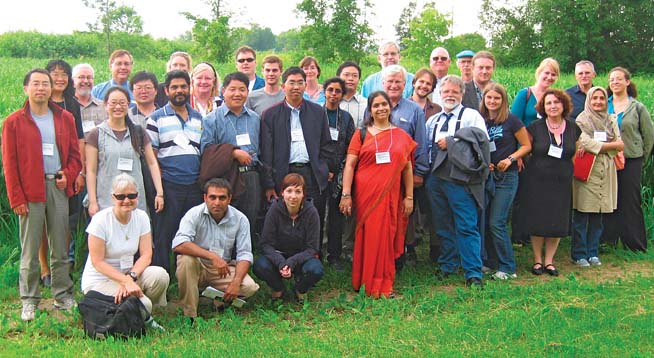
(513, 160)
(133, 275)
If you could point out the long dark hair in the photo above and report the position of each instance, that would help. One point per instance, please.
(368, 120)
(631, 89)
(69, 91)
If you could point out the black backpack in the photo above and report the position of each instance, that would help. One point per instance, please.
(102, 317)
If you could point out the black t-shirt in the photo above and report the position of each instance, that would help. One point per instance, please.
(503, 135)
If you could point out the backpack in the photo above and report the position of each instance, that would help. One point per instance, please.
(103, 317)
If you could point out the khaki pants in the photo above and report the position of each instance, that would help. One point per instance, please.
(193, 275)
(153, 281)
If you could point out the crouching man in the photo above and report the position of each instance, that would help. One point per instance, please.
(214, 249)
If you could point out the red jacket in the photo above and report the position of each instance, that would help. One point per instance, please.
(22, 154)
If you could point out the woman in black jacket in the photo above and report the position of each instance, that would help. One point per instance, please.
(289, 242)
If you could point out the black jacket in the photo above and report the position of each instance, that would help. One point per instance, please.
(275, 143)
(285, 241)
(345, 125)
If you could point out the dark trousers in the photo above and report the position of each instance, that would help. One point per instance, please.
(335, 224)
(249, 202)
(312, 190)
(306, 276)
(178, 199)
(627, 223)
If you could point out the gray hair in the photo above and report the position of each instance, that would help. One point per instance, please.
(82, 66)
(455, 80)
(585, 62)
(393, 70)
(122, 181)
(387, 44)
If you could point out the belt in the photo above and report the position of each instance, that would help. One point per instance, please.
(299, 165)
(247, 168)
(51, 176)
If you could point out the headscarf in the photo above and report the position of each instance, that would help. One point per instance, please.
(590, 120)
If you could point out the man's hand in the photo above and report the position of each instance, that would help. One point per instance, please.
(219, 265)
(330, 177)
(21, 209)
(61, 182)
(79, 184)
(243, 157)
(442, 144)
(286, 272)
(232, 290)
(271, 194)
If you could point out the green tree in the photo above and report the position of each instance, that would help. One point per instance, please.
(473, 41)
(259, 38)
(212, 39)
(402, 30)
(335, 29)
(114, 18)
(427, 30)
(289, 40)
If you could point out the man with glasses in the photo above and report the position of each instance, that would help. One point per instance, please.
(295, 138)
(120, 65)
(464, 63)
(41, 159)
(440, 62)
(175, 131)
(91, 108)
(246, 62)
(389, 54)
(352, 102)
(271, 93)
(144, 86)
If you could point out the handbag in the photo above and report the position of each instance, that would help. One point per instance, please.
(137, 134)
(619, 160)
(102, 317)
(583, 166)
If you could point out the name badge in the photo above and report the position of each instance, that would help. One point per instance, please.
(555, 151)
(126, 262)
(383, 157)
(297, 136)
(243, 139)
(181, 140)
(334, 133)
(48, 149)
(125, 164)
(88, 125)
(600, 136)
(492, 146)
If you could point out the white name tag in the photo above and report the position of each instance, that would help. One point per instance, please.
(125, 164)
(297, 136)
(492, 146)
(334, 133)
(555, 151)
(87, 126)
(383, 157)
(600, 136)
(48, 149)
(181, 140)
(243, 139)
(126, 262)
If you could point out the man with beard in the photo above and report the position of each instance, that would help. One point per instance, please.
(214, 249)
(234, 124)
(389, 54)
(91, 108)
(424, 83)
(455, 200)
(175, 132)
(120, 65)
(483, 66)
(272, 92)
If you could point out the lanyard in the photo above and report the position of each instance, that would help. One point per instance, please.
(389, 146)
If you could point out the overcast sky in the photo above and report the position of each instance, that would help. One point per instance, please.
(164, 19)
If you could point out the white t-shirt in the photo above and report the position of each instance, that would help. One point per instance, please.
(121, 242)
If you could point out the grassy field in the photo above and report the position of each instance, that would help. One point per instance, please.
(596, 312)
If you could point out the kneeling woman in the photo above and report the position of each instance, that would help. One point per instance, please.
(116, 234)
(289, 241)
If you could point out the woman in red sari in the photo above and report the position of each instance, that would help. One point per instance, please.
(381, 168)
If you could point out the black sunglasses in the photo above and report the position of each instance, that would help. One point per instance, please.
(130, 196)
(241, 60)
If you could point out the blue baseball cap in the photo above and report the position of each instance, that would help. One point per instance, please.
(465, 53)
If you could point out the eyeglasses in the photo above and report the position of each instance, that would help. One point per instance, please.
(334, 90)
(117, 103)
(80, 77)
(248, 60)
(439, 58)
(143, 88)
(294, 83)
(130, 196)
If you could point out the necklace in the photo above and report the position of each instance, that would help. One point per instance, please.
(382, 129)
(552, 126)
(124, 227)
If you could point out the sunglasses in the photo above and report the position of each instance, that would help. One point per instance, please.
(130, 196)
(441, 58)
(249, 59)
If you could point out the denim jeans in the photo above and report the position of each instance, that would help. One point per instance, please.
(455, 216)
(305, 277)
(506, 186)
(586, 235)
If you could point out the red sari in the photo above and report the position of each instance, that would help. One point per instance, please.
(378, 195)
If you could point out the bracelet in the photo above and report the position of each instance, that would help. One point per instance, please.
(346, 195)
(160, 196)
(408, 197)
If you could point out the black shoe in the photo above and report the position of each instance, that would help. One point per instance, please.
(336, 264)
(399, 263)
(434, 253)
(474, 282)
(442, 275)
(411, 257)
(537, 269)
(551, 270)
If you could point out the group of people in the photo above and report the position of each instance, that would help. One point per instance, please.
(202, 170)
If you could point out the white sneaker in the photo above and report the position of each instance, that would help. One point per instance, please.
(594, 261)
(582, 263)
(500, 275)
(67, 304)
(154, 325)
(28, 312)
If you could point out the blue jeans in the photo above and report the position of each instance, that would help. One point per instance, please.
(454, 214)
(305, 277)
(506, 186)
(586, 235)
